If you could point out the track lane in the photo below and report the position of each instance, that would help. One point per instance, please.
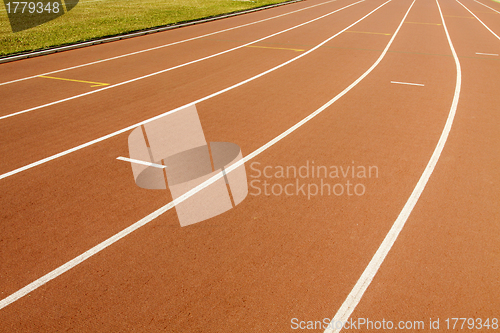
(494, 23)
(99, 168)
(489, 5)
(142, 66)
(471, 44)
(278, 246)
(120, 106)
(157, 47)
(271, 248)
(27, 67)
(487, 11)
(448, 250)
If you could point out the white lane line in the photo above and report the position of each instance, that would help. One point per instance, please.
(163, 46)
(175, 67)
(366, 278)
(131, 160)
(487, 6)
(86, 255)
(408, 83)
(90, 143)
(488, 54)
(479, 20)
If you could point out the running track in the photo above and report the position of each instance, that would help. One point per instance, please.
(421, 242)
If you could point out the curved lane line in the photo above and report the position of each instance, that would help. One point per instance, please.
(366, 278)
(98, 248)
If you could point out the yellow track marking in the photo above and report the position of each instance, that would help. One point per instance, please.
(367, 32)
(424, 23)
(95, 84)
(276, 48)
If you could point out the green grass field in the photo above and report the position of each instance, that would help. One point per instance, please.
(92, 19)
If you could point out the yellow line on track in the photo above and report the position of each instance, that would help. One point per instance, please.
(424, 23)
(276, 48)
(95, 84)
(367, 32)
